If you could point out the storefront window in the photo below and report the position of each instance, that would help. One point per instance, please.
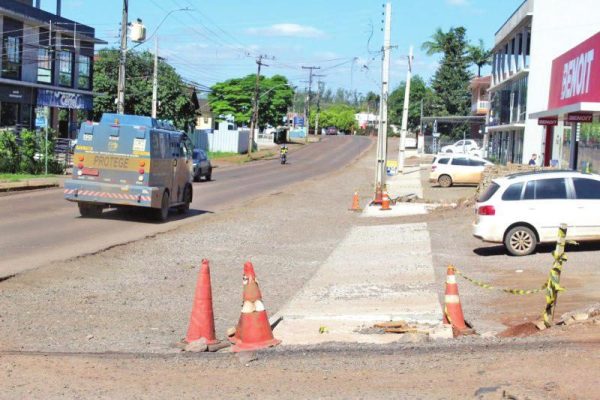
(589, 148)
(65, 68)
(9, 114)
(11, 57)
(84, 72)
(44, 72)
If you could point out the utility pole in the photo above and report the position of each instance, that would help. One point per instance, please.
(383, 109)
(319, 86)
(155, 80)
(404, 129)
(121, 84)
(421, 146)
(308, 99)
(254, 119)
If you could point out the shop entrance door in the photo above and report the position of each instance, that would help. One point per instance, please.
(548, 145)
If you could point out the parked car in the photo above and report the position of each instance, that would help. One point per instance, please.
(202, 165)
(451, 169)
(462, 146)
(332, 130)
(523, 210)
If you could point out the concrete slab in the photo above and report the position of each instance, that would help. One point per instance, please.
(407, 183)
(302, 332)
(376, 274)
(397, 210)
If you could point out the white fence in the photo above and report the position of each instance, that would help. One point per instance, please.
(225, 140)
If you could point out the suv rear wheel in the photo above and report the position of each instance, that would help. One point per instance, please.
(520, 241)
(445, 181)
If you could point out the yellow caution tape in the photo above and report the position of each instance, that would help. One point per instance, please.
(553, 285)
(519, 292)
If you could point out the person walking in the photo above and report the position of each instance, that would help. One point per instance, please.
(533, 160)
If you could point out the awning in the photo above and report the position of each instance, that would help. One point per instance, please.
(562, 112)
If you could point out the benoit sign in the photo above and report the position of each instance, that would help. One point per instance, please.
(576, 75)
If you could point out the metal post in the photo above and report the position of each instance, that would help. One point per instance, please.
(421, 133)
(308, 100)
(155, 80)
(254, 118)
(122, 59)
(46, 144)
(403, 131)
(383, 123)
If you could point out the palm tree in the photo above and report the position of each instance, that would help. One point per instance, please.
(437, 43)
(479, 56)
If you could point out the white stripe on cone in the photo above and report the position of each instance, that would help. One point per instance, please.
(451, 299)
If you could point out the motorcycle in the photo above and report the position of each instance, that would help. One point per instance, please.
(283, 158)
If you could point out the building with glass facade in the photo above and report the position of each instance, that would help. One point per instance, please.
(524, 49)
(46, 68)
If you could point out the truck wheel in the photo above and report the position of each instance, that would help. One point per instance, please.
(520, 241)
(90, 210)
(187, 199)
(161, 214)
(445, 181)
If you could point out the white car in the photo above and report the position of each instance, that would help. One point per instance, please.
(462, 146)
(463, 169)
(525, 209)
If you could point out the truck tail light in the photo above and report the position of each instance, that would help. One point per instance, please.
(487, 210)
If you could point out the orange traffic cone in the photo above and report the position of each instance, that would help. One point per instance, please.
(202, 322)
(453, 313)
(385, 202)
(355, 203)
(378, 196)
(253, 331)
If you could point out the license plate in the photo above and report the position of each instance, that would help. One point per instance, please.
(90, 171)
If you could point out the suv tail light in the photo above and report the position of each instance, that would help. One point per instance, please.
(433, 167)
(487, 210)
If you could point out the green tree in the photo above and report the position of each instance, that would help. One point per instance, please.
(479, 56)
(174, 96)
(451, 80)
(418, 91)
(341, 116)
(234, 97)
(370, 102)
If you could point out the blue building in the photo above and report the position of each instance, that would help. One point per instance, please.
(46, 68)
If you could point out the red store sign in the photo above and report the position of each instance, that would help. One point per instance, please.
(580, 117)
(576, 75)
(551, 121)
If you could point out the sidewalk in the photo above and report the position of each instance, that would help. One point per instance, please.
(376, 274)
(32, 184)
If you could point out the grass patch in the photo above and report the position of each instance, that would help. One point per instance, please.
(21, 177)
(221, 154)
(235, 158)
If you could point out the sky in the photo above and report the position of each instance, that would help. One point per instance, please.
(216, 40)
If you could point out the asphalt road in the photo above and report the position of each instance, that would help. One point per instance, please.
(40, 227)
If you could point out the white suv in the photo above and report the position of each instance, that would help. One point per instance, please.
(525, 209)
(461, 169)
(462, 146)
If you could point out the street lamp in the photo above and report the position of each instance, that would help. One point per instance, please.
(138, 36)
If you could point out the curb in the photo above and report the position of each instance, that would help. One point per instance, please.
(8, 187)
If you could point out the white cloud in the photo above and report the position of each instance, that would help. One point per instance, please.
(287, 29)
(458, 2)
